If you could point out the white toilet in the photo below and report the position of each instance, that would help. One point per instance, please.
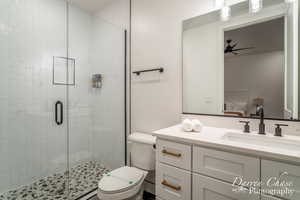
(127, 182)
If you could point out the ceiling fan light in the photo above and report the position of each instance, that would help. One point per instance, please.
(225, 13)
(255, 6)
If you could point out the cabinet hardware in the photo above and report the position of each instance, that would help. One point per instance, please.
(165, 183)
(177, 155)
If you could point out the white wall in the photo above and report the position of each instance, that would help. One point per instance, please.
(156, 41)
(261, 75)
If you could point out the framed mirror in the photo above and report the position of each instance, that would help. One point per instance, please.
(233, 67)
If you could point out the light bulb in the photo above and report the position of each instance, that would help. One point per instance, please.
(225, 13)
(255, 6)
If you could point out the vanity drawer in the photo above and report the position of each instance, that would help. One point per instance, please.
(205, 188)
(178, 155)
(286, 173)
(172, 183)
(266, 197)
(225, 166)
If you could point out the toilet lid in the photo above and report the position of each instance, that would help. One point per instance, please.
(121, 179)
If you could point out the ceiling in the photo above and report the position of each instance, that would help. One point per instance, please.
(265, 37)
(90, 5)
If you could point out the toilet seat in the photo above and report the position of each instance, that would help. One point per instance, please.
(121, 183)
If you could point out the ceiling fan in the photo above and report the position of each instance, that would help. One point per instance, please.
(232, 48)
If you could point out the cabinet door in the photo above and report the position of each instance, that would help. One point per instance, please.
(205, 188)
(175, 154)
(172, 183)
(225, 166)
(274, 173)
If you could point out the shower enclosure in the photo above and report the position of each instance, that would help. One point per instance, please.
(61, 128)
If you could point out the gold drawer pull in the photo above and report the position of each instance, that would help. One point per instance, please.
(177, 155)
(165, 183)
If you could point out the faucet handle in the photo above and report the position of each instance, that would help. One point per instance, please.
(246, 126)
(278, 130)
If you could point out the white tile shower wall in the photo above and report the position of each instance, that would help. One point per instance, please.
(32, 146)
(108, 105)
(156, 41)
(30, 142)
(97, 115)
(117, 13)
(80, 95)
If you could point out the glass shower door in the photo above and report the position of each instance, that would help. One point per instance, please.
(96, 101)
(33, 99)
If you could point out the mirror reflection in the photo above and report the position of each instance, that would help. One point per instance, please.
(237, 66)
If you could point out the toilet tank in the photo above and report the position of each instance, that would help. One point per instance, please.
(142, 152)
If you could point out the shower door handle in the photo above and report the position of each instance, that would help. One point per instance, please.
(61, 120)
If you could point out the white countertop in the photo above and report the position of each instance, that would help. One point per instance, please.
(212, 137)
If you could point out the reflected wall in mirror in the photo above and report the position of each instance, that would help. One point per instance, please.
(231, 68)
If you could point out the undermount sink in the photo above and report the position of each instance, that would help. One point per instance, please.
(263, 140)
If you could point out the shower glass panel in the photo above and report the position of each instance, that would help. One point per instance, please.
(96, 111)
(62, 99)
(33, 136)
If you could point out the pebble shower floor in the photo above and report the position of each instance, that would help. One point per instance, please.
(83, 179)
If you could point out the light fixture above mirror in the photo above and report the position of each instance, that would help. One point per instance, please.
(219, 3)
(255, 5)
(225, 13)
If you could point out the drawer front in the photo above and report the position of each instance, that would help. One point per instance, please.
(265, 197)
(225, 166)
(178, 155)
(172, 183)
(272, 171)
(205, 188)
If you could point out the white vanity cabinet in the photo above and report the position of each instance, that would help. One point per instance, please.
(188, 172)
(206, 188)
(281, 173)
(191, 172)
(175, 154)
(225, 166)
(265, 197)
(173, 183)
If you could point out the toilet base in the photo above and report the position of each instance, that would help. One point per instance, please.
(138, 196)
